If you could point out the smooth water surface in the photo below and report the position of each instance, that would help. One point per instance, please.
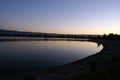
(23, 56)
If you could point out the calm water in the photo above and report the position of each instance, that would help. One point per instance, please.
(18, 56)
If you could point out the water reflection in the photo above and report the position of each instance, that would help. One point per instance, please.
(19, 56)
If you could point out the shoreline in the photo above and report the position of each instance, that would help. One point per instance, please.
(82, 69)
(86, 66)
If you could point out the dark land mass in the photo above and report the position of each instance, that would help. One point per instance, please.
(104, 65)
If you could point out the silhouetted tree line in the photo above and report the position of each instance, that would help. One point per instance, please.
(45, 35)
(111, 36)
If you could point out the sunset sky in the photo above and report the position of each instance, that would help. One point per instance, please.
(61, 16)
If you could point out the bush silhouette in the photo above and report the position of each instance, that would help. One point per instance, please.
(111, 36)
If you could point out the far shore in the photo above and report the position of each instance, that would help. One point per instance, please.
(2, 39)
(99, 66)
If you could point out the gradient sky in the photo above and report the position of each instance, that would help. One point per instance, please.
(61, 16)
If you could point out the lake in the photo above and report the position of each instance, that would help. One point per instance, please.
(20, 56)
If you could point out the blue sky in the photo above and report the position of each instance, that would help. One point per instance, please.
(61, 16)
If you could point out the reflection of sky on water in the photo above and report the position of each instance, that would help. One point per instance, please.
(28, 55)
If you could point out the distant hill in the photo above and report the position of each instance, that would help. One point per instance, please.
(7, 31)
(13, 31)
(38, 34)
(18, 33)
(29, 34)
